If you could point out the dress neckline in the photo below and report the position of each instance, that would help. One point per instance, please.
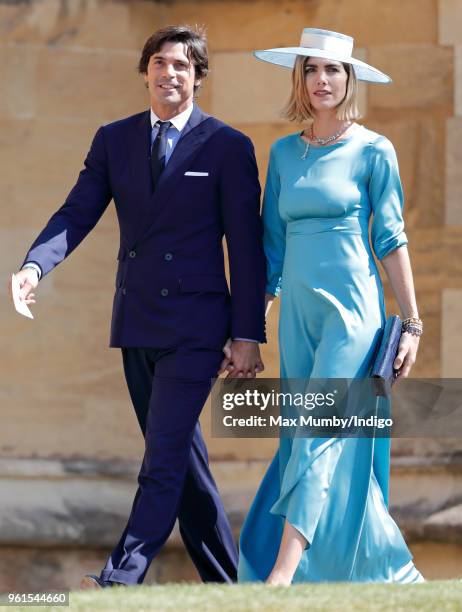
(334, 144)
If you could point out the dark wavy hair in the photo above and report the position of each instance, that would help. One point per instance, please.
(193, 38)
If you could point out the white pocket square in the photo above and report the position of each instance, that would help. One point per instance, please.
(189, 173)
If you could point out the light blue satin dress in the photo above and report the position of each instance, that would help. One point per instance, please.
(333, 491)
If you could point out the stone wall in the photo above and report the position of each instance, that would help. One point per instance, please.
(67, 66)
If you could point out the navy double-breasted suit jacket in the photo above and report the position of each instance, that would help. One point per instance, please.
(171, 288)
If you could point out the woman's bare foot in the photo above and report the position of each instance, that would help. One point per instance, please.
(278, 579)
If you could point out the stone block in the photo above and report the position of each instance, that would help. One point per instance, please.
(274, 23)
(393, 21)
(420, 145)
(18, 81)
(41, 159)
(429, 258)
(453, 261)
(453, 177)
(458, 80)
(363, 88)
(422, 78)
(72, 424)
(451, 335)
(246, 90)
(234, 449)
(98, 85)
(437, 560)
(429, 303)
(82, 23)
(446, 525)
(449, 22)
(204, 96)
(428, 362)
(263, 135)
(69, 84)
(244, 26)
(435, 455)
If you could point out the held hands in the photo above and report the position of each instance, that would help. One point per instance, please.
(242, 359)
(406, 356)
(28, 281)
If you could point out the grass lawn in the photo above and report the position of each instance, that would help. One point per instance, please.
(437, 596)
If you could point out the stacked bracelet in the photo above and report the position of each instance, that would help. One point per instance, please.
(413, 326)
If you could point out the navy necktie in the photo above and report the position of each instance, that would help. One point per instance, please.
(159, 147)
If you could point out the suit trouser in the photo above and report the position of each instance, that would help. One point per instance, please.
(168, 390)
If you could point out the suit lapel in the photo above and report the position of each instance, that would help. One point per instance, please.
(139, 146)
(193, 136)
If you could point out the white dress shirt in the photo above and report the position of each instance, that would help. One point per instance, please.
(174, 131)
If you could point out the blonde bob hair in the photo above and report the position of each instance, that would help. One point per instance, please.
(299, 108)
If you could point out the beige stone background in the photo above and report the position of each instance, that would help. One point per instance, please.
(69, 442)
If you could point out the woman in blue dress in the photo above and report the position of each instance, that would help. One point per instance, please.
(321, 512)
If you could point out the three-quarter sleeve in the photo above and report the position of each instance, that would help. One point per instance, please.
(274, 238)
(386, 197)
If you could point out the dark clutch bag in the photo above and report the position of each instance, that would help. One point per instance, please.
(383, 373)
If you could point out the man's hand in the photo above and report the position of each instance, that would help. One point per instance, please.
(226, 365)
(227, 348)
(28, 281)
(242, 359)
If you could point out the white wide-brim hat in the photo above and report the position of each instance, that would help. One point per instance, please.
(327, 45)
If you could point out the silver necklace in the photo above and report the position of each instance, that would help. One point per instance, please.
(323, 141)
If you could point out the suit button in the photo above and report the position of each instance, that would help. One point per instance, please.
(132, 254)
(168, 257)
(164, 292)
(124, 291)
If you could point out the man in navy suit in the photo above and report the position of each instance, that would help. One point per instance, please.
(180, 180)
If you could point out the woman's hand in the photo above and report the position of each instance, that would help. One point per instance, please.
(242, 359)
(398, 268)
(407, 353)
(269, 299)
